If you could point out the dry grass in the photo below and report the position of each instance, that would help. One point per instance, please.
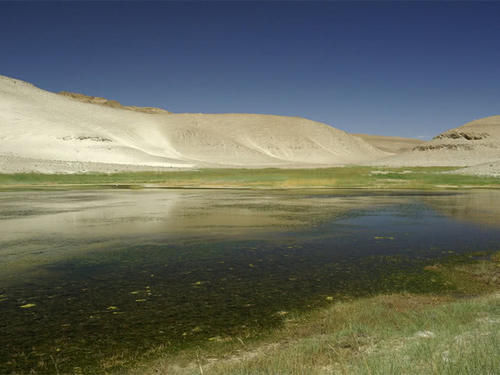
(358, 337)
(387, 334)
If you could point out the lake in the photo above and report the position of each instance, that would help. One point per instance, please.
(86, 276)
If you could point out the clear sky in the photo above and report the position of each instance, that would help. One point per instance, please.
(391, 68)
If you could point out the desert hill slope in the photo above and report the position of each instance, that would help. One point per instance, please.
(43, 131)
(474, 143)
(393, 145)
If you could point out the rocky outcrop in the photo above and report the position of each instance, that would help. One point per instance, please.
(427, 147)
(474, 143)
(110, 103)
(455, 134)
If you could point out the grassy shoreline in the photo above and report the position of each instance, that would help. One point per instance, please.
(338, 178)
(445, 333)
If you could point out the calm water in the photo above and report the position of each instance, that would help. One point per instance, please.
(90, 275)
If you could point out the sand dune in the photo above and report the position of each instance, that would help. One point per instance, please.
(43, 131)
(477, 142)
(393, 145)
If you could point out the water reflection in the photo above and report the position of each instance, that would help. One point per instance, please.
(85, 276)
(478, 207)
(40, 228)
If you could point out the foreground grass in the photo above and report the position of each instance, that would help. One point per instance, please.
(339, 177)
(388, 334)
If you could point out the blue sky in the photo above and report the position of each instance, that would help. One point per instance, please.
(392, 68)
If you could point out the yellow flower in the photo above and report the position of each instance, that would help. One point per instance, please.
(28, 305)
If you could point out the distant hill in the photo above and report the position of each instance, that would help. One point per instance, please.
(476, 142)
(46, 132)
(394, 145)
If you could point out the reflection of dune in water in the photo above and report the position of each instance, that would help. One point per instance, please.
(478, 207)
(46, 227)
(41, 228)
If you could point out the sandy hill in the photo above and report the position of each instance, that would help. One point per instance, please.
(477, 142)
(393, 145)
(43, 131)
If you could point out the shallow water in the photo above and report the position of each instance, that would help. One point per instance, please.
(86, 276)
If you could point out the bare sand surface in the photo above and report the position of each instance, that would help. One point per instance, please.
(393, 145)
(16, 164)
(43, 131)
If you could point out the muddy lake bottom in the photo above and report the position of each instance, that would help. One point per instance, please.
(89, 276)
